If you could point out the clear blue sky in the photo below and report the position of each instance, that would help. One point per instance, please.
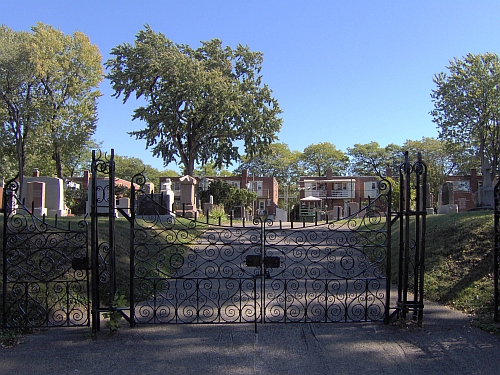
(344, 72)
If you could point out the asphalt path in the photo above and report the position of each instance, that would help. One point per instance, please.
(446, 344)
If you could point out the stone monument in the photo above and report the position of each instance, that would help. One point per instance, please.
(187, 204)
(53, 192)
(208, 206)
(35, 197)
(168, 196)
(485, 197)
(447, 199)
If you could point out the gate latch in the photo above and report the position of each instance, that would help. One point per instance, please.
(269, 262)
(79, 264)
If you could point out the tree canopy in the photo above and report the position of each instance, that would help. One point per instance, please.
(280, 163)
(369, 159)
(198, 102)
(318, 158)
(467, 109)
(48, 95)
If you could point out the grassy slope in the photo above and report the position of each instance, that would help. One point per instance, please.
(459, 263)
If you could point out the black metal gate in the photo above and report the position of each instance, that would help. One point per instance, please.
(45, 269)
(196, 271)
(496, 253)
(192, 271)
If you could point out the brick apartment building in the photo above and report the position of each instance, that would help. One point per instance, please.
(334, 193)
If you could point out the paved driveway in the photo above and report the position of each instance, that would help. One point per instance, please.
(445, 345)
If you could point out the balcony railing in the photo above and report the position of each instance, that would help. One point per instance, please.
(333, 194)
(342, 194)
(316, 193)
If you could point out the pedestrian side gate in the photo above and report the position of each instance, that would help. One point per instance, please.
(194, 270)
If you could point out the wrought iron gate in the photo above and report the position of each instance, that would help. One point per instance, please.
(191, 271)
(45, 269)
(196, 271)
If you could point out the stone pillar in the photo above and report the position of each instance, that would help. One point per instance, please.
(486, 194)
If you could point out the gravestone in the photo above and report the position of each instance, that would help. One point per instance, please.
(35, 197)
(447, 199)
(124, 204)
(352, 208)
(238, 212)
(168, 196)
(187, 203)
(208, 207)
(148, 188)
(54, 193)
(447, 196)
(486, 199)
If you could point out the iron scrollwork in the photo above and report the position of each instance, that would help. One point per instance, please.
(42, 286)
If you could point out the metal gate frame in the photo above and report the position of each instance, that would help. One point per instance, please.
(45, 269)
(198, 272)
(262, 259)
(412, 216)
(496, 253)
(269, 262)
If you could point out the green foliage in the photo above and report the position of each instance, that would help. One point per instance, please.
(48, 97)
(217, 212)
(318, 158)
(11, 337)
(75, 200)
(437, 159)
(211, 170)
(126, 167)
(227, 195)
(114, 316)
(371, 159)
(467, 110)
(459, 262)
(198, 101)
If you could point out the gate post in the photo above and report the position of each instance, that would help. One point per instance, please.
(102, 204)
(412, 247)
(496, 252)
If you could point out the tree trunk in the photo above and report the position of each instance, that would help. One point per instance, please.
(57, 159)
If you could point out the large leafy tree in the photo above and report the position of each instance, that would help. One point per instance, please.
(318, 158)
(198, 102)
(47, 95)
(371, 159)
(68, 69)
(467, 109)
(18, 99)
